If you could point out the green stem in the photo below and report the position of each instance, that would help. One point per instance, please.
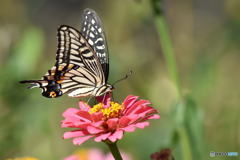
(166, 44)
(168, 51)
(184, 142)
(114, 150)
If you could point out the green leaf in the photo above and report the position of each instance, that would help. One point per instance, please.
(194, 127)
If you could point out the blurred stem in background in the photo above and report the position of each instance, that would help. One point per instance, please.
(180, 109)
(166, 43)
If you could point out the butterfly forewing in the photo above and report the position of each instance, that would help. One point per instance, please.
(81, 62)
(93, 32)
(73, 49)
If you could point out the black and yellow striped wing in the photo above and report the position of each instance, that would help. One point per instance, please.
(74, 51)
(77, 70)
(73, 48)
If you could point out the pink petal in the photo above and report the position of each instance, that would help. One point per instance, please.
(97, 124)
(124, 121)
(97, 116)
(82, 125)
(142, 124)
(129, 100)
(146, 113)
(109, 156)
(70, 112)
(155, 116)
(136, 106)
(70, 120)
(102, 137)
(130, 128)
(116, 135)
(150, 116)
(73, 134)
(73, 157)
(95, 154)
(112, 123)
(74, 123)
(84, 116)
(66, 124)
(93, 130)
(83, 106)
(80, 140)
(145, 109)
(133, 117)
(130, 119)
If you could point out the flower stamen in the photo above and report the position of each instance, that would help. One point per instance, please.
(96, 108)
(112, 111)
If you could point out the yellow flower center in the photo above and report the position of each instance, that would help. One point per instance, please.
(82, 154)
(113, 111)
(24, 158)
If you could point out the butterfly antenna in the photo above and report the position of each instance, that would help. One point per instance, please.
(125, 77)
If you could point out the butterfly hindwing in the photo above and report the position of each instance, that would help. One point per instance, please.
(92, 30)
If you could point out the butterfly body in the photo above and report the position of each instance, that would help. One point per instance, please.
(81, 67)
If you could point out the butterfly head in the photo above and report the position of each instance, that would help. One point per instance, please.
(103, 89)
(110, 88)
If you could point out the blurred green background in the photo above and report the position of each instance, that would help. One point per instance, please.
(186, 60)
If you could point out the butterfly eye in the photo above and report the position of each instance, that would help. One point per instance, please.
(112, 88)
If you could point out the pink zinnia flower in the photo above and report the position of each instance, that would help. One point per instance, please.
(94, 154)
(107, 121)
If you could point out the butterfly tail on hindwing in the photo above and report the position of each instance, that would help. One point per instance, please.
(50, 88)
(33, 83)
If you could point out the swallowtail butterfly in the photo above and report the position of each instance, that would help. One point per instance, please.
(81, 67)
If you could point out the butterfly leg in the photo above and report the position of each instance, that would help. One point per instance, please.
(112, 96)
(104, 97)
(90, 97)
